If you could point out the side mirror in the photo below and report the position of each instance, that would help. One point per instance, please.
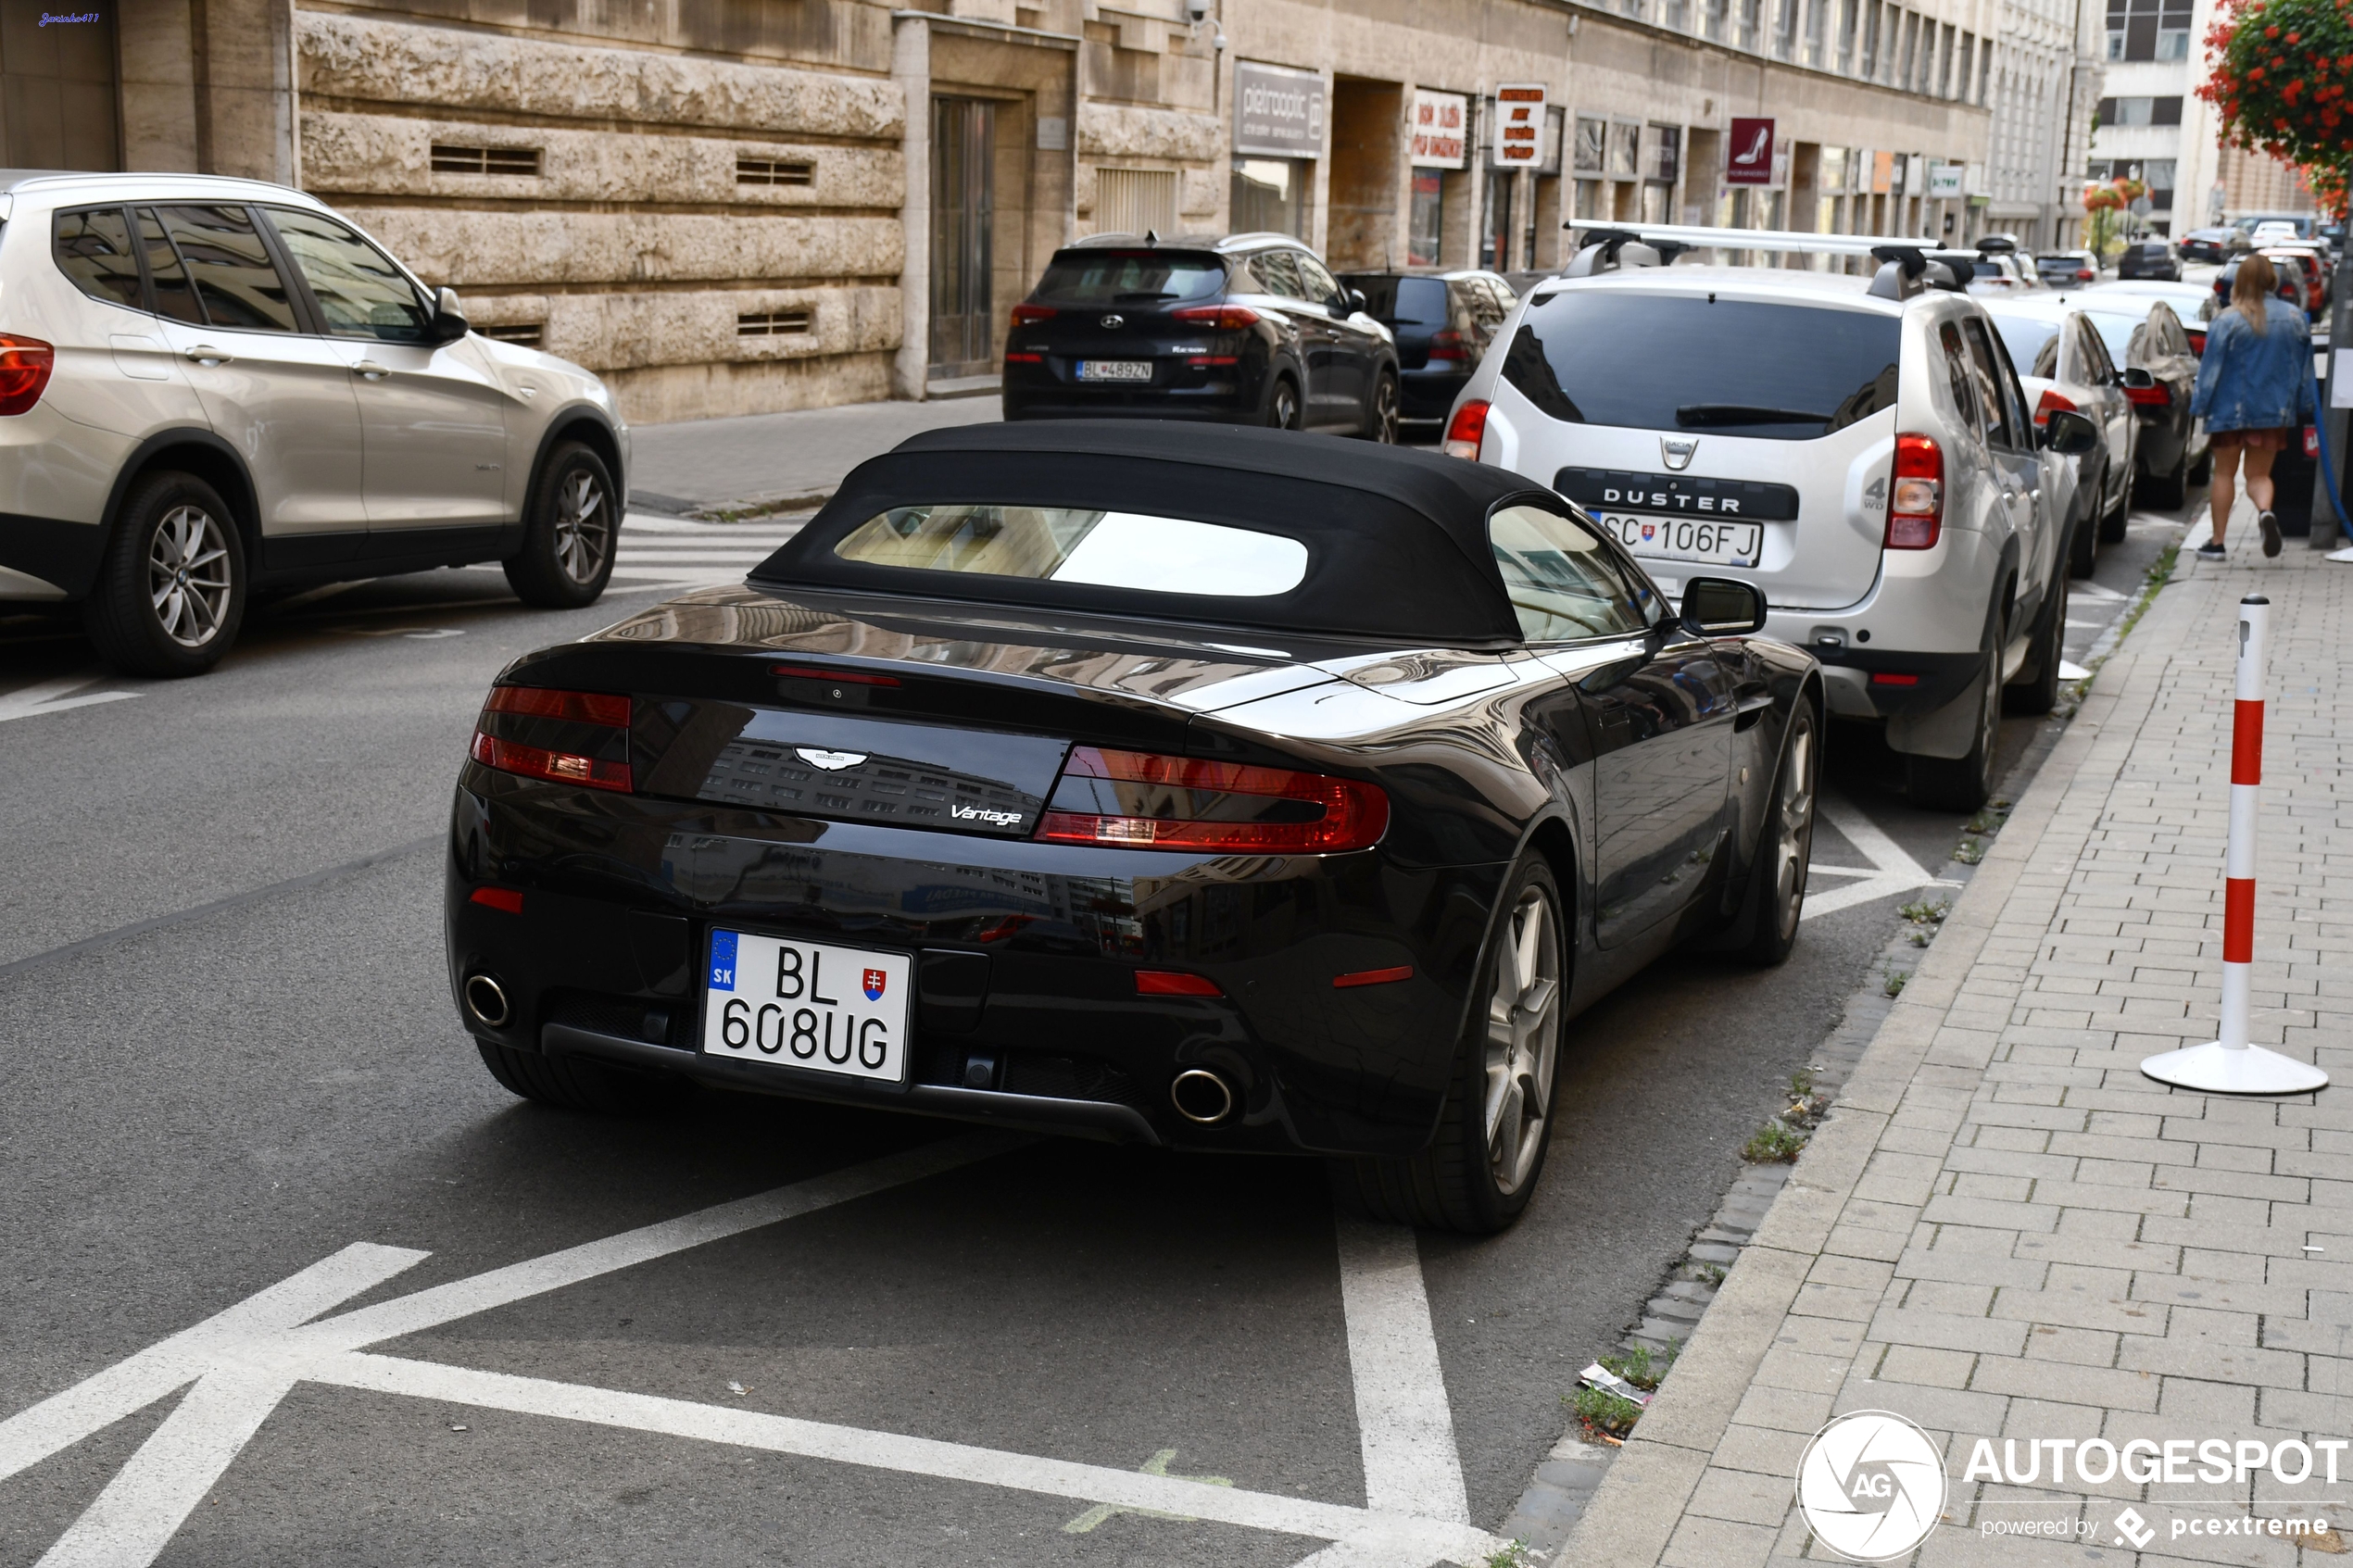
(1723, 607)
(2070, 434)
(448, 317)
(2135, 379)
(1356, 298)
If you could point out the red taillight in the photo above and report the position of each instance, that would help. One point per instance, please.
(1447, 345)
(2052, 400)
(1889, 678)
(25, 364)
(1218, 317)
(2197, 342)
(2149, 396)
(1024, 359)
(1137, 800)
(1373, 977)
(2083, 274)
(542, 733)
(1467, 429)
(1173, 983)
(1026, 314)
(1915, 504)
(1204, 360)
(508, 899)
(839, 677)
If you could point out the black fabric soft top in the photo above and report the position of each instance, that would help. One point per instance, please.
(1396, 539)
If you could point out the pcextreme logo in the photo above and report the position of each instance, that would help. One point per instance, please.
(1872, 1485)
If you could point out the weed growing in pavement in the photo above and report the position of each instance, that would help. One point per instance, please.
(1801, 1084)
(1925, 913)
(1895, 978)
(1511, 1554)
(1969, 851)
(1605, 1415)
(1773, 1143)
(1989, 820)
(1710, 1274)
(1917, 938)
(1638, 1367)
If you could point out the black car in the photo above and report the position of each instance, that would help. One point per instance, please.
(2291, 287)
(2151, 259)
(1442, 323)
(1251, 329)
(1252, 792)
(2209, 244)
(2160, 371)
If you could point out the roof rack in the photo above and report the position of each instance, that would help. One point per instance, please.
(1907, 266)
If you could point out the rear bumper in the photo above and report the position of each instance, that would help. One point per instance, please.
(1025, 1011)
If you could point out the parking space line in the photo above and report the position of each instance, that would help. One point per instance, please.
(1403, 1420)
(52, 697)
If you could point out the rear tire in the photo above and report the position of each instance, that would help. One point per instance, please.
(1963, 783)
(2040, 693)
(1380, 419)
(171, 594)
(569, 534)
(1283, 408)
(1776, 890)
(1480, 1168)
(571, 1083)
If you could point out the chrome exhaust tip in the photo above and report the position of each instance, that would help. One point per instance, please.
(486, 999)
(1202, 1095)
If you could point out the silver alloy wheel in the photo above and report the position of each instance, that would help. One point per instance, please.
(188, 576)
(1793, 843)
(1286, 408)
(584, 526)
(1385, 411)
(1523, 1040)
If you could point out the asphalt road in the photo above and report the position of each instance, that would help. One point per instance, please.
(207, 1107)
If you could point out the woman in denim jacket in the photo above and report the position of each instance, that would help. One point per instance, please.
(2253, 392)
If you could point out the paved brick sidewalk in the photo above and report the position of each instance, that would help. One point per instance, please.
(2006, 1231)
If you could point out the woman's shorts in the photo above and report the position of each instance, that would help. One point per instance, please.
(2253, 440)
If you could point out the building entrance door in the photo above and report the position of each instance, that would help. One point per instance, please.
(963, 210)
(58, 102)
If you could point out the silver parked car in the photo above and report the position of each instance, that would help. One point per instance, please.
(2055, 339)
(1859, 450)
(209, 386)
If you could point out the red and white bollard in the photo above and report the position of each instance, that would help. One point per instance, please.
(2231, 1065)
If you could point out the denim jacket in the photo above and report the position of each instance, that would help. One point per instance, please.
(2256, 380)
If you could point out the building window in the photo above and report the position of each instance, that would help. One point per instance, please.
(1495, 245)
(1270, 194)
(529, 334)
(1785, 29)
(772, 323)
(1591, 203)
(2148, 29)
(1625, 149)
(2157, 173)
(772, 171)
(1846, 12)
(1591, 137)
(1870, 40)
(2140, 111)
(1817, 22)
(449, 160)
(1426, 227)
(1135, 201)
(1665, 158)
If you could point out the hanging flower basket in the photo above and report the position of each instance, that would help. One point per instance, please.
(2282, 73)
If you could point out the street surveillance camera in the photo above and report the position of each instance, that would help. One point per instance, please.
(1197, 11)
(1219, 42)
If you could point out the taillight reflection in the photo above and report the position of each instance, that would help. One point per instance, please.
(563, 737)
(1138, 800)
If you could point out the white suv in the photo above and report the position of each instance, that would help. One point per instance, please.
(209, 386)
(1860, 449)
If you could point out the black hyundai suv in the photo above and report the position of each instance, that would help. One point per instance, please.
(1250, 328)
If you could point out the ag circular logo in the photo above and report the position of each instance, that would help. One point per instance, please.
(1872, 1485)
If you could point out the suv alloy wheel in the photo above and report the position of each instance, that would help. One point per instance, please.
(171, 592)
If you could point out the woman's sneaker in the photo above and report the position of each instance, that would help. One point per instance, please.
(2210, 551)
(2270, 527)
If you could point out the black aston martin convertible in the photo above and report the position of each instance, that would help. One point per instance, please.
(1214, 789)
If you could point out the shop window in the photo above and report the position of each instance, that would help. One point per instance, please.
(1270, 194)
(1426, 227)
(1135, 201)
(1591, 138)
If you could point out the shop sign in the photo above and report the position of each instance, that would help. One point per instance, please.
(1277, 112)
(1943, 181)
(1441, 128)
(1748, 154)
(1519, 125)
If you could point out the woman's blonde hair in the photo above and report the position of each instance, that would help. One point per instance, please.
(2257, 282)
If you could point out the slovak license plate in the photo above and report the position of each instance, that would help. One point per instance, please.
(1687, 538)
(807, 1005)
(1114, 370)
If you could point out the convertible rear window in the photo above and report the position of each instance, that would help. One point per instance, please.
(1104, 549)
(1142, 277)
(1784, 373)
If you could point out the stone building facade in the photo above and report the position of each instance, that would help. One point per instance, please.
(740, 206)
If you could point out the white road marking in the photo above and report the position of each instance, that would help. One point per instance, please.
(2092, 591)
(2069, 671)
(1157, 1465)
(1403, 1423)
(682, 553)
(245, 1360)
(54, 697)
(1895, 870)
